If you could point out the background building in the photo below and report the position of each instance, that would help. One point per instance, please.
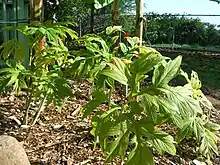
(12, 13)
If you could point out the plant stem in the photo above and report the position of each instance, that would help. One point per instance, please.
(126, 90)
(110, 95)
(41, 108)
(209, 114)
(27, 108)
(138, 90)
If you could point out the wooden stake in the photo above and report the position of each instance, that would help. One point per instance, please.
(139, 19)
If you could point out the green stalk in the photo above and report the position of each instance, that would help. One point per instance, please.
(28, 102)
(27, 108)
(41, 108)
(209, 115)
(126, 90)
(90, 93)
(138, 90)
(109, 99)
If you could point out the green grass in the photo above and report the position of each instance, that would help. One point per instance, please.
(208, 68)
(185, 46)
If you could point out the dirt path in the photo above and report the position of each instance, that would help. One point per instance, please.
(215, 102)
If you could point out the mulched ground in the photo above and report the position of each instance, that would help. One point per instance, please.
(64, 138)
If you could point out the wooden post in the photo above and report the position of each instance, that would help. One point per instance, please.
(115, 12)
(36, 10)
(139, 19)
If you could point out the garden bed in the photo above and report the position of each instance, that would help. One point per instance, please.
(64, 138)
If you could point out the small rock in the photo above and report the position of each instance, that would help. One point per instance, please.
(12, 152)
(64, 159)
(196, 162)
(46, 118)
(58, 137)
(6, 113)
(70, 117)
(18, 110)
(85, 145)
(13, 110)
(11, 98)
(25, 127)
(57, 127)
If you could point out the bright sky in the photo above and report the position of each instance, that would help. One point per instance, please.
(185, 6)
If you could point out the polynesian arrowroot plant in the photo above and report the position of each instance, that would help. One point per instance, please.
(41, 76)
(134, 129)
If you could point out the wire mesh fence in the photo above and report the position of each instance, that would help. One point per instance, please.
(166, 30)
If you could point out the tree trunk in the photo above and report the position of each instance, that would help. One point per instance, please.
(115, 12)
(139, 19)
(36, 10)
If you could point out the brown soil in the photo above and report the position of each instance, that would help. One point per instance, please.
(71, 143)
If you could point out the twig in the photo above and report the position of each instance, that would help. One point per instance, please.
(76, 111)
(49, 145)
(41, 108)
(84, 162)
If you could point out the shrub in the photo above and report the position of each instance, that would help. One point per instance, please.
(132, 129)
(37, 67)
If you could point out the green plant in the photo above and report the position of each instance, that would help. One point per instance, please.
(99, 53)
(42, 79)
(131, 130)
(206, 132)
